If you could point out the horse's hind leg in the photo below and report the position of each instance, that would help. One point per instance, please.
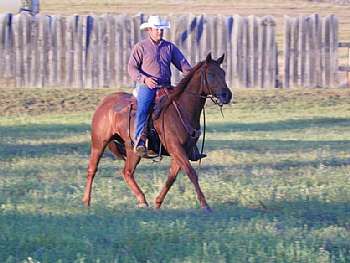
(174, 170)
(97, 149)
(132, 160)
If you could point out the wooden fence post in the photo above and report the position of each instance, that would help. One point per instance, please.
(102, 47)
(287, 48)
(119, 45)
(333, 50)
(236, 36)
(111, 50)
(45, 58)
(318, 46)
(3, 20)
(18, 49)
(54, 52)
(79, 54)
(253, 51)
(35, 55)
(262, 55)
(244, 53)
(127, 48)
(69, 44)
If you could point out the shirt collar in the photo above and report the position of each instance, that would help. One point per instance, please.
(160, 42)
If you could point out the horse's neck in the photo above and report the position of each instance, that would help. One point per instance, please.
(191, 102)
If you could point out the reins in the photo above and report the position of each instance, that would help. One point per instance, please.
(194, 133)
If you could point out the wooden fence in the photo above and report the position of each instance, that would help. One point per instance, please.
(310, 57)
(93, 51)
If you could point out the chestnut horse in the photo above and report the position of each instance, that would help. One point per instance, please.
(113, 128)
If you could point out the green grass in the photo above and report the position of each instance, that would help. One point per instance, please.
(276, 176)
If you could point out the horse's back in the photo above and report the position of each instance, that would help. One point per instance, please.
(108, 109)
(116, 97)
(114, 102)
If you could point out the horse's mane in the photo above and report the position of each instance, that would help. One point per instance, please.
(181, 86)
(184, 81)
(177, 91)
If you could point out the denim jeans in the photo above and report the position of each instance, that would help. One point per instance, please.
(145, 98)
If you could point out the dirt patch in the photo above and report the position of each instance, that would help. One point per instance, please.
(336, 2)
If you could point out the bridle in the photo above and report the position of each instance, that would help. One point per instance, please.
(205, 86)
(208, 95)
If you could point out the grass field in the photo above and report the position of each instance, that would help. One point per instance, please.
(276, 176)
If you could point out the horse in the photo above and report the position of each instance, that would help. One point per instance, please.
(182, 109)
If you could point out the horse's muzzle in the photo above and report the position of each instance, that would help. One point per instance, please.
(225, 96)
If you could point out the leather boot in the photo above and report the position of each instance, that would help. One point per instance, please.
(195, 155)
(140, 147)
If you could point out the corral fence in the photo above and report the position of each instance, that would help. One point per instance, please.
(93, 51)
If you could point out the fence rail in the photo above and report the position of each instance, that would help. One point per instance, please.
(93, 51)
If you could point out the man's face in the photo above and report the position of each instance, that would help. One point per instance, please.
(156, 34)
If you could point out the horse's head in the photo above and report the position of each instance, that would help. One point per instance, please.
(213, 83)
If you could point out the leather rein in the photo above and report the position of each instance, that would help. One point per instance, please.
(194, 133)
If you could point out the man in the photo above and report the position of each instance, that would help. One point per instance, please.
(149, 66)
(15, 6)
(31, 6)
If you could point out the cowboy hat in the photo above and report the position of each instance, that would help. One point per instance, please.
(155, 22)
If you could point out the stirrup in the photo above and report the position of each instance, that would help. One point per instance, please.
(197, 157)
(140, 148)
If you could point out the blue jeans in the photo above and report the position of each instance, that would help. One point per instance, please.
(145, 98)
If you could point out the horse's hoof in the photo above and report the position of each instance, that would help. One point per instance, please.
(207, 210)
(86, 203)
(142, 205)
(157, 206)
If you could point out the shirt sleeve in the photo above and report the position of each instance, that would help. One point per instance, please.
(179, 61)
(135, 62)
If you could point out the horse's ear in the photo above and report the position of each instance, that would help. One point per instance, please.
(220, 59)
(208, 58)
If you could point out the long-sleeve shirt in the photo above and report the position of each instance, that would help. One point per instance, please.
(149, 59)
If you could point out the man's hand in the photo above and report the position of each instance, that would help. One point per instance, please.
(151, 83)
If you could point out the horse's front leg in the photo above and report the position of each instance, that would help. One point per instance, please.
(173, 171)
(181, 159)
(132, 160)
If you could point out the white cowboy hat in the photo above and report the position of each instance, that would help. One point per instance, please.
(155, 22)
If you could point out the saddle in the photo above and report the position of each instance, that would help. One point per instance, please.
(129, 105)
(163, 99)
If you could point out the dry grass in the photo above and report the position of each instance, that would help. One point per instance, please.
(35, 101)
